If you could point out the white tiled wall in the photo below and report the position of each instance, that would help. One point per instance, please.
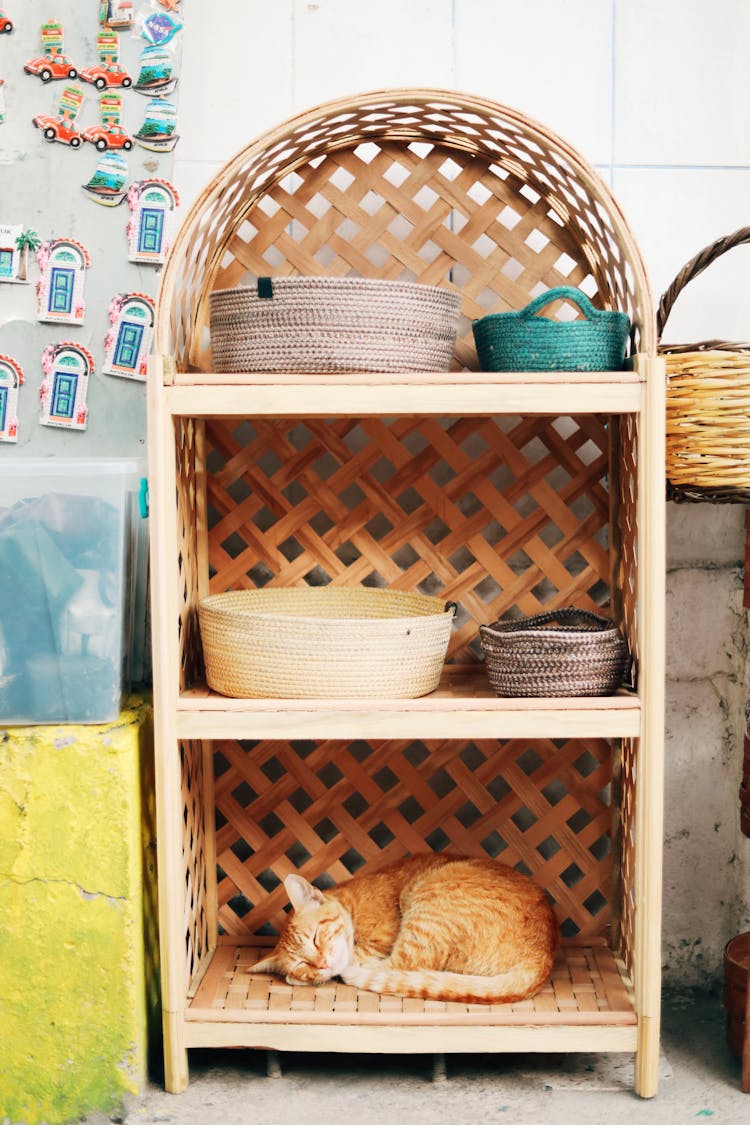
(340, 46)
(681, 82)
(551, 60)
(655, 94)
(674, 212)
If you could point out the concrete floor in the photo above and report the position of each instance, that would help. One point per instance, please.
(699, 1080)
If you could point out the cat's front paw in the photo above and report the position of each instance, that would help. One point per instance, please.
(309, 982)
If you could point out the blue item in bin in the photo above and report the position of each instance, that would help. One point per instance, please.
(143, 498)
(61, 560)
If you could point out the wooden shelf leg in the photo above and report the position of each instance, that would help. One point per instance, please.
(439, 1073)
(273, 1064)
(649, 812)
(175, 1053)
(647, 1057)
(169, 824)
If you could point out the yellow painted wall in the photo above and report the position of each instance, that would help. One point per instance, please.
(77, 926)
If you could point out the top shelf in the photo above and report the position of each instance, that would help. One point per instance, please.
(419, 393)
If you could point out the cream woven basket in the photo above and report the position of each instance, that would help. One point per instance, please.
(324, 642)
(333, 324)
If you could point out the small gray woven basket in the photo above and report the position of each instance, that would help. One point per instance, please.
(558, 653)
(333, 324)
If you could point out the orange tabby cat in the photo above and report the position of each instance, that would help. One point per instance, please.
(434, 926)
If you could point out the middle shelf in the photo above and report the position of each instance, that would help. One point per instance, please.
(463, 706)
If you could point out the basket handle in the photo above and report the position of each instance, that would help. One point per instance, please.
(568, 615)
(695, 266)
(562, 292)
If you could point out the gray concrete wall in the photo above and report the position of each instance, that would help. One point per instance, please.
(706, 858)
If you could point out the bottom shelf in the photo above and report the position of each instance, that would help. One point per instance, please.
(588, 1005)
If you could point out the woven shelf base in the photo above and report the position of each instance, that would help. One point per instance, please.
(588, 987)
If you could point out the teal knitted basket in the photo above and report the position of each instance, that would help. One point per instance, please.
(523, 341)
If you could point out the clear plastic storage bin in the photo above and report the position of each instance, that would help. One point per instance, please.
(68, 554)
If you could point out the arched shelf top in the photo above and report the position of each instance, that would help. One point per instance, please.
(420, 184)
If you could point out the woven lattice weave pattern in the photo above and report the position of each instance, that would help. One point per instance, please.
(425, 186)
(331, 808)
(194, 854)
(492, 517)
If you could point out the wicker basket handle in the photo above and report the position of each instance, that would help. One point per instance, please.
(695, 266)
(566, 618)
(561, 293)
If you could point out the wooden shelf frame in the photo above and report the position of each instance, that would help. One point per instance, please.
(463, 394)
(462, 706)
(463, 701)
(530, 215)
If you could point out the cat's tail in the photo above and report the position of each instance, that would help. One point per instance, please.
(518, 983)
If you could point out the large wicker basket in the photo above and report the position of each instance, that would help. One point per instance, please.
(327, 642)
(333, 324)
(708, 402)
(558, 653)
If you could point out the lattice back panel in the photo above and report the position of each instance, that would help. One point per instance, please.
(624, 432)
(194, 855)
(627, 796)
(439, 217)
(188, 443)
(429, 185)
(330, 809)
(499, 515)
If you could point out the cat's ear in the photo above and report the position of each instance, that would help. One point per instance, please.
(301, 893)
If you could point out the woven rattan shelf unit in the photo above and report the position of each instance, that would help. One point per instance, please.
(501, 493)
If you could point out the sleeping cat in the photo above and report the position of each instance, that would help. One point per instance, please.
(441, 927)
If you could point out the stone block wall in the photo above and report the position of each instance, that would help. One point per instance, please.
(77, 923)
